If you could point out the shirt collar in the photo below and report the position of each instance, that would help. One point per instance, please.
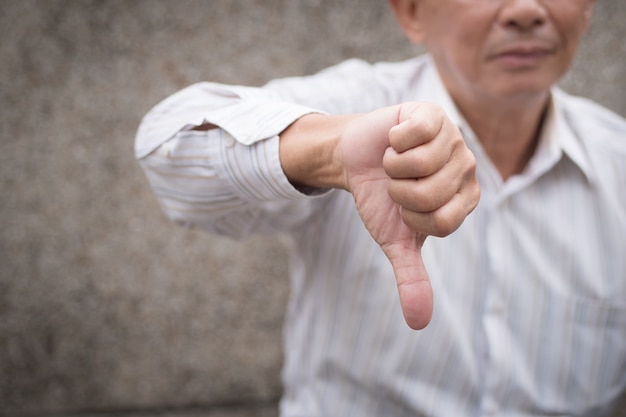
(562, 132)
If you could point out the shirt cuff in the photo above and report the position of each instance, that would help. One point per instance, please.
(263, 118)
(254, 170)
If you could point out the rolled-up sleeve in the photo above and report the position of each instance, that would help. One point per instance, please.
(227, 180)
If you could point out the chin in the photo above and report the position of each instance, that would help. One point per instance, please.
(534, 80)
(524, 86)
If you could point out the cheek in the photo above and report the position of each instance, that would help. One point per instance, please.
(461, 37)
(459, 23)
(571, 23)
(570, 39)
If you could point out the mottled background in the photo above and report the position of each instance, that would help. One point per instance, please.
(105, 307)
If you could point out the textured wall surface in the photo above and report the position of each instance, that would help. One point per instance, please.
(106, 307)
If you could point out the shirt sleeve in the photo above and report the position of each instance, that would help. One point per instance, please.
(226, 180)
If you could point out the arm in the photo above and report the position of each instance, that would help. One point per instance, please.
(229, 180)
(409, 172)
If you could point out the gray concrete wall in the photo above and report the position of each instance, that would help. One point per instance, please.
(106, 307)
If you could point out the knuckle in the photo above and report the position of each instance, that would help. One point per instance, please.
(431, 120)
(468, 164)
(471, 159)
(444, 223)
(436, 109)
(475, 197)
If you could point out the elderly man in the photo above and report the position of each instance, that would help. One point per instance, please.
(360, 163)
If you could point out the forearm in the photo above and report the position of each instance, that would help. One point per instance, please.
(310, 153)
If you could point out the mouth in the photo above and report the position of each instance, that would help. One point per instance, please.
(522, 56)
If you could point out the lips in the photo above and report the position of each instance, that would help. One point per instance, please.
(522, 55)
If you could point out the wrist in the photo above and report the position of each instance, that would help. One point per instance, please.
(310, 151)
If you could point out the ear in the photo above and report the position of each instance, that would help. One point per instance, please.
(407, 14)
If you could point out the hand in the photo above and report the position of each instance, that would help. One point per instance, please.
(411, 176)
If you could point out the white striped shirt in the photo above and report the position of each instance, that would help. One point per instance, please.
(530, 292)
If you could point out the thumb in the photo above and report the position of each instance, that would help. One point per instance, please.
(414, 288)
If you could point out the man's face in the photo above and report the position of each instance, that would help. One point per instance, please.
(502, 49)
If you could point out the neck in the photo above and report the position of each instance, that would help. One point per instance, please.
(508, 133)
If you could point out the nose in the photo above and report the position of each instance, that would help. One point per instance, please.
(523, 15)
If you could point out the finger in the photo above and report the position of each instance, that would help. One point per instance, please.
(419, 123)
(427, 157)
(418, 162)
(422, 195)
(447, 218)
(429, 193)
(414, 288)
